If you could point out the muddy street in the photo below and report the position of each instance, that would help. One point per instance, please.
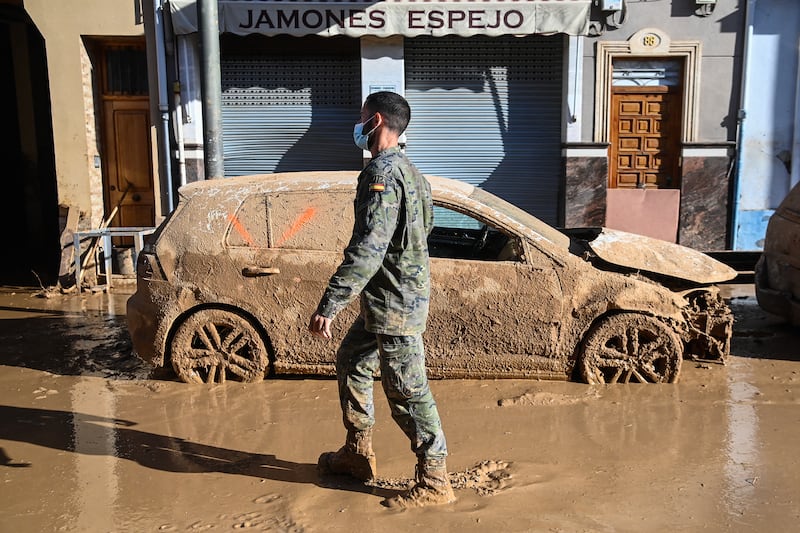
(91, 439)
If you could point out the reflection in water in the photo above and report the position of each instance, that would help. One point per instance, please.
(95, 461)
(742, 446)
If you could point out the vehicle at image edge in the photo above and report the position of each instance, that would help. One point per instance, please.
(777, 274)
(227, 283)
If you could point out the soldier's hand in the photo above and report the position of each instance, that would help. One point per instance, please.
(320, 326)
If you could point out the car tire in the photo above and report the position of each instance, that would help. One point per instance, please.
(630, 348)
(214, 345)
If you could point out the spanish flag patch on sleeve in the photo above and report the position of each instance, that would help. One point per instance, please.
(377, 187)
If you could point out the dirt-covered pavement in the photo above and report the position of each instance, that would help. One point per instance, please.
(92, 440)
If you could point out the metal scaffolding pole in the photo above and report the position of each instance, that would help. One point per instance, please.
(211, 83)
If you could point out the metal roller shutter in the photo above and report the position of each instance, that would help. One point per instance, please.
(488, 111)
(289, 112)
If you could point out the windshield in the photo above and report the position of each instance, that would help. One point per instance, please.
(521, 216)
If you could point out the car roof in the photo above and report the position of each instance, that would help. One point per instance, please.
(263, 183)
(443, 189)
(320, 180)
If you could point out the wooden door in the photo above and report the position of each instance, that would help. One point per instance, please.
(128, 172)
(645, 138)
(127, 149)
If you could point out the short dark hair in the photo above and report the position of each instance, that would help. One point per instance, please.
(394, 108)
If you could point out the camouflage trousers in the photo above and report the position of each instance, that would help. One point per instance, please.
(401, 360)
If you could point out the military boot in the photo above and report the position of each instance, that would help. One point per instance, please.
(432, 487)
(355, 458)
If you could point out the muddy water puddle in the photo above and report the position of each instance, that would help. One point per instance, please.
(91, 440)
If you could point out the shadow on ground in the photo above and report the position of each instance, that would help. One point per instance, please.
(56, 430)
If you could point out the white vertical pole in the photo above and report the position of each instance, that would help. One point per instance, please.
(573, 89)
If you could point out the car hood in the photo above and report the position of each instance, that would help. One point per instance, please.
(646, 254)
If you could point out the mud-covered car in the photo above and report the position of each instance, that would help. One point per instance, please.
(777, 274)
(228, 281)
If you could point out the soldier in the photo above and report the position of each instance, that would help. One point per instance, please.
(386, 263)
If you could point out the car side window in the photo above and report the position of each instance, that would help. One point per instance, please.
(457, 235)
(318, 220)
(247, 227)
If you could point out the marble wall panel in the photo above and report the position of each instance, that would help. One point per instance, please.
(585, 191)
(704, 203)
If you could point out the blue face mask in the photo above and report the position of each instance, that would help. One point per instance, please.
(359, 137)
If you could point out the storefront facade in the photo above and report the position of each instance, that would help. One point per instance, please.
(485, 83)
(583, 113)
(676, 119)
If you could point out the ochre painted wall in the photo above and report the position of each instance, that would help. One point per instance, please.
(63, 24)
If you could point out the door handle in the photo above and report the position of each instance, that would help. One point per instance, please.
(255, 271)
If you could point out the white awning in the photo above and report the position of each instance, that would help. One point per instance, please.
(355, 18)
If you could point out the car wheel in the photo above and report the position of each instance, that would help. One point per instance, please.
(212, 345)
(630, 348)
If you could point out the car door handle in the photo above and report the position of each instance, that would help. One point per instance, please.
(255, 271)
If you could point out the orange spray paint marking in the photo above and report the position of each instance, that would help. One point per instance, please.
(304, 217)
(240, 229)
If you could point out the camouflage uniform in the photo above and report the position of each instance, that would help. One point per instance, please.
(386, 262)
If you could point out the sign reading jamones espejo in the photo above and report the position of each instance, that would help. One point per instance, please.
(385, 18)
(312, 20)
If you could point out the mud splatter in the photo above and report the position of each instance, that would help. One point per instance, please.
(485, 478)
(547, 398)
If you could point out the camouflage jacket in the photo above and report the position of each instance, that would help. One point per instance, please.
(386, 261)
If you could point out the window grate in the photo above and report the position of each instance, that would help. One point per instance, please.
(126, 71)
